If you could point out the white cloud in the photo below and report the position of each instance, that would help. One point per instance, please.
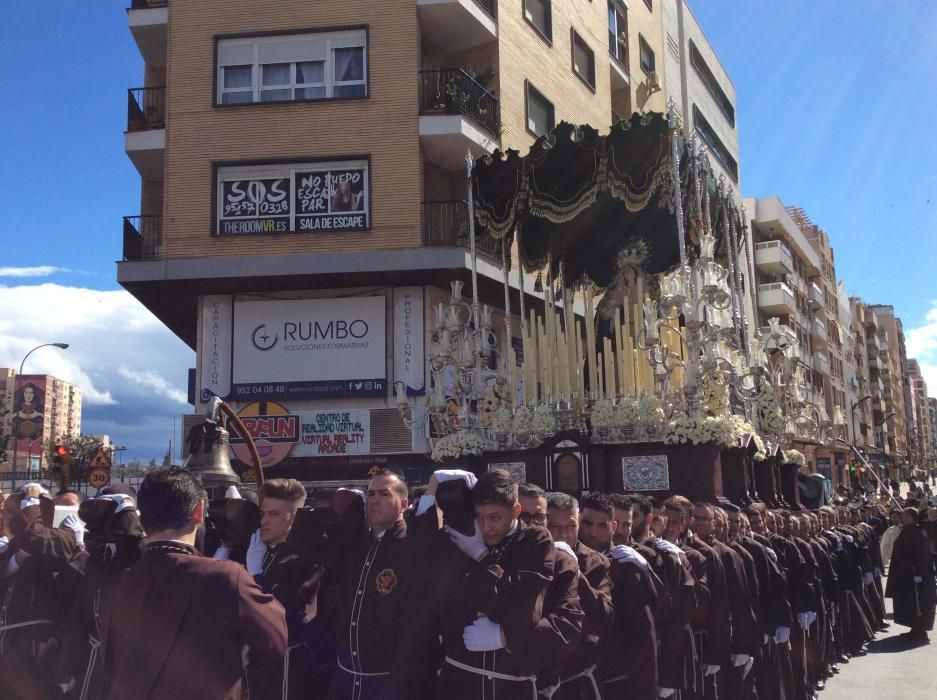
(132, 370)
(921, 343)
(36, 271)
(151, 380)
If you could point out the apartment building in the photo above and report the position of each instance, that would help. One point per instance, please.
(920, 440)
(893, 431)
(303, 188)
(36, 408)
(932, 417)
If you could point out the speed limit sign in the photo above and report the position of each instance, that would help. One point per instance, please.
(98, 478)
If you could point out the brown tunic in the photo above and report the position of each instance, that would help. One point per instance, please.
(175, 626)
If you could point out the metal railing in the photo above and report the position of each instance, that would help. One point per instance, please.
(146, 4)
(143, 237)
(445, 223)
(453, 91)
(146, 108)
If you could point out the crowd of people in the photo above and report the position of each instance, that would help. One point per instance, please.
(475, 588)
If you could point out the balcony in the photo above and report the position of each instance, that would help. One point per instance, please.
(457, 114)
(149, 21)
(143, 237)
(776, 299)
(873, 344)
(873, 360)
(457, 25)
(818, 333)
(815, 295)
(145, 139)
(774, 258)
(445, 224)
(821, 364)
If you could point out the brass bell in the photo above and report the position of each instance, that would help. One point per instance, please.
(209, 455)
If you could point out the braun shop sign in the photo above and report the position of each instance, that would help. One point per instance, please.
(309, 348)
(294, 197)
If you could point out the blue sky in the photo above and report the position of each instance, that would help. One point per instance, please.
(835, 109)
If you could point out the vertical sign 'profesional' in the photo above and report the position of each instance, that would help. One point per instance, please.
(309, 348)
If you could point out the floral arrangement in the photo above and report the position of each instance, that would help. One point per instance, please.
(742, 428)
(459, 445)
(651, 410)
(715, 393)
(627, 412)
(502, 421)
(769, 411)
(493, 399)
(794, 457)
(707, 430)
(604, 414)
(523, 420)
(543, 420)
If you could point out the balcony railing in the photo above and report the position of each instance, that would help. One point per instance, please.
(146, 108)
(453, 91)
(143, 237)
(146, 4)
(445, 223)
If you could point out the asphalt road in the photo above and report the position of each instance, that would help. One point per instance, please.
(890, 671)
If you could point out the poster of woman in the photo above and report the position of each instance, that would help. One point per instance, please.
(28, 410)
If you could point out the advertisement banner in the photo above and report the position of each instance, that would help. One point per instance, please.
(273, 429)
(408, 339)
(309, 348)
(215, 355)
(342, 432)
(29, 411)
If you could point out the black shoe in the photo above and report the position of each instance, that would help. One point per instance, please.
(834, 669)
(820, 685)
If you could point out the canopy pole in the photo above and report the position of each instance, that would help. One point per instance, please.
(469, 162)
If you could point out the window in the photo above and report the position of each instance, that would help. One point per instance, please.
(539, 14)
(709, 80)
(583, 60)
(650, 4)
(647, 56)
(715, 144)
(540, 117)
(281, 197)
(618, 32)
(292, 67)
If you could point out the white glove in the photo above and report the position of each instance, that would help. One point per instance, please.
(740, 659)
(878, 572)
(255, 555)
(4, 544)
(811, 617)
(483, 635)
(782, 635)
(29, 502)
(623, 553)
(564, 547)
(232, 494)
(472, 545)
(12, 567)
(848, 538)
(867, 578)
(223, 553)
(748, 666)
(122, 500)
(73, 522)
(445, 475)
(711, 669)
(918, 579)
(766, 639)
(665, 692)
(670, 547)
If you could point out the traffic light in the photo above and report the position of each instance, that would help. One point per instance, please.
(61, 464)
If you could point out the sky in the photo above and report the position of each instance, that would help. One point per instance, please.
(835, 101)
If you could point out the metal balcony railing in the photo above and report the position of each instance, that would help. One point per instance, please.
(453, 91)
(445, 223)
(146, 108)
(143, 237)
(146, 4)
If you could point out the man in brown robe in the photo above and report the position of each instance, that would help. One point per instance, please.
(911, 579)
(180, 625)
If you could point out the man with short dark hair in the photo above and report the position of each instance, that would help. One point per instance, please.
(181, 625)
(533, 500)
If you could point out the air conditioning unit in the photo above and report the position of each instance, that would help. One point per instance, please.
(653, 81)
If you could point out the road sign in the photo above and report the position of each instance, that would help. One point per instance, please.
(99, 477)
(100, 459)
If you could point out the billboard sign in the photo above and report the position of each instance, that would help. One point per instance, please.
(408, 339)
(29, 411)
(309, 348)
(342, 432)
(272, 427)
(215, 357)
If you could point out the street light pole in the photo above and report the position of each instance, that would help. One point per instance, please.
(60, 346)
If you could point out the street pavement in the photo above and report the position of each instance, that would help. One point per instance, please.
(890, 670)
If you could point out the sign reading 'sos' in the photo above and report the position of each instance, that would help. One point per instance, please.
(309, 348)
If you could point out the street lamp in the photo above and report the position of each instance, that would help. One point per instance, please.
(852, 415)
(60, 346)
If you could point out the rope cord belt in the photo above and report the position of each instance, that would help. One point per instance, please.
(18, 625)
(92, 662)
(585, 673)
(494, 674)
(360, 673)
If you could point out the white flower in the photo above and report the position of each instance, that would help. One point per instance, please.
(523, 420)
(604, 414)
(459, 445)
(793, 457)
(627, 412)
(543, 420)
